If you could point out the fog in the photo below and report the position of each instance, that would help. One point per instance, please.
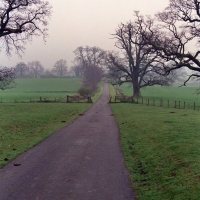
(77, 23)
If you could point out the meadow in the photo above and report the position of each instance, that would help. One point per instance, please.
(171, 94)
(23, 125)
(161, 146)
(27, 90)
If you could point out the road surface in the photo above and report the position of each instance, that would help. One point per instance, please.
(82, 161)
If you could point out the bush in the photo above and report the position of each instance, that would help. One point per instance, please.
(85, 91)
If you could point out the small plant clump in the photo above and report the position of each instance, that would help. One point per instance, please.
(88, 89)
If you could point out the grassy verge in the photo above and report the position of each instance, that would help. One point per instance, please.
(162, 150)
(23, 125)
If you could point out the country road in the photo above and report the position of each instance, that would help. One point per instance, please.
(82, 161)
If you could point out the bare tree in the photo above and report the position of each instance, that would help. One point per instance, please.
(20, 20)
(6, 78)
(36, 69)
(21, 69)
(138, 63)
(93, 74)
(89, 56)
(78, 71)
(60, 67)
(89, 61)
(174, 35)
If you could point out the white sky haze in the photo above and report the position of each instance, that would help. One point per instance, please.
(77, 23)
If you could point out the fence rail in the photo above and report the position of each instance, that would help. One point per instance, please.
(155, 102)
(67, 99)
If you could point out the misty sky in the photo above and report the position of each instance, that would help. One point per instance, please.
(77, 23)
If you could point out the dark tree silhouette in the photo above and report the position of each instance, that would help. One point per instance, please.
(174, 36)
(138, 63)
(36, 69)
(90, 62)
(20, 20)
(21, 69)
(60, 67)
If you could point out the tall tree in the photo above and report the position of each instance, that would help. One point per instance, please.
(20, 20)
(138, 63)
(36, 69)
(174, 36)
(85, 56)
(21, 69)
(60, 67)
(90, 62)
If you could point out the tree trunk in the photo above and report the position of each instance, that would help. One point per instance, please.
(136, 91)
(136, 88)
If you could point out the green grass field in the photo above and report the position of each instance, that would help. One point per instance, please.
(23, 125)
(175, 93)
(161, 147)
(49, 88)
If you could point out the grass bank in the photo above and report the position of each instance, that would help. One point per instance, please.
(162, 150)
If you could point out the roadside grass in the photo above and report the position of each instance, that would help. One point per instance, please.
(161, 148)
(24, 125)
(175, 93)
(32, 89)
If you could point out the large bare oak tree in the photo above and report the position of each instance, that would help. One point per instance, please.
(137, 63)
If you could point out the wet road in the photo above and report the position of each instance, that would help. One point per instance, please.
(82, 161)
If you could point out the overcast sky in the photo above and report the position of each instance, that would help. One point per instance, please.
(77, 23)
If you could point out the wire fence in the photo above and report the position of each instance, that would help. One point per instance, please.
(177, 104)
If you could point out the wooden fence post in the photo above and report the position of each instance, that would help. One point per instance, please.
(175, 104)
(194, 105)
(67, 98)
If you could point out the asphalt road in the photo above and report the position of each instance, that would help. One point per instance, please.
(82, 161)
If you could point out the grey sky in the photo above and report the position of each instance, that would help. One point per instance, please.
(79, 23)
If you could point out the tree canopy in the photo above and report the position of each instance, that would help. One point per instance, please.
(20, 21)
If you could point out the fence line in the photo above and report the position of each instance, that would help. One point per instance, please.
(152, 102)
(67, 99)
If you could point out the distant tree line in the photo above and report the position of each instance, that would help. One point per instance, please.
(35, 69)
(150, 50)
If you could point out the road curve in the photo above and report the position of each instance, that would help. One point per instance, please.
(82, 161)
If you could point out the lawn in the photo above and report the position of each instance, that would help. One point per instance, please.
(23, 125)
(171, 94)
(161, 147)
(27, 90)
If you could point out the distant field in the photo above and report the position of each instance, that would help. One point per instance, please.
(33, 89)
(182, 94)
